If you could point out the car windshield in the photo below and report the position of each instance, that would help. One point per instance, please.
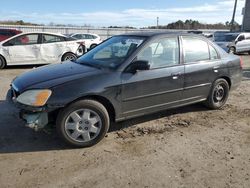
(112, 53)
(225, 37)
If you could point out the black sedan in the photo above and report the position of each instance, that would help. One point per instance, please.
(124, 77)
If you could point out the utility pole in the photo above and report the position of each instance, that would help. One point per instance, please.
(233, 18)
(157, 22)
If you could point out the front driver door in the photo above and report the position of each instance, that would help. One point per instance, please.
(158, 88)
(24, 49)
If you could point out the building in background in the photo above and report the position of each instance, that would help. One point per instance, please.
(246, 17)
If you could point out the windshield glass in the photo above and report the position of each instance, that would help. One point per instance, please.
(113, 52)
(225, 37)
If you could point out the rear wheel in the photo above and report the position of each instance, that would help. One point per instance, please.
(218, 95)
(83, 123)
(69, 57)
(2, 62)
(232, 50)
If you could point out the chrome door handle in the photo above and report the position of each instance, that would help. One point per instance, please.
(216, 69)
(175, 76)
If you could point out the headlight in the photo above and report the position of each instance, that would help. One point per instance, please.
(35, 98)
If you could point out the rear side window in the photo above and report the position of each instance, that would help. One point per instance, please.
(52, 38)
(195, 50)
(213, 53)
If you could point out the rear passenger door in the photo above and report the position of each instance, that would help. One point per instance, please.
(202, 66)
(52, 48)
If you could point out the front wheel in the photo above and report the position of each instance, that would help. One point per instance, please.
(2, 63)
(83, 123)
(218, 95)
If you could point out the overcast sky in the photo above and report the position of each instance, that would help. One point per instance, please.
(137, 13)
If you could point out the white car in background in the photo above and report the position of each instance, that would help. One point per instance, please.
(90, 40)
(39, 48)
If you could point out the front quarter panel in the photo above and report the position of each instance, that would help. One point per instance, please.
(106, 85)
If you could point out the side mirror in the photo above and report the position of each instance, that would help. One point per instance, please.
(138, 65)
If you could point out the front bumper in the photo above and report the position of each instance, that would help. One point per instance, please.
(34, 117)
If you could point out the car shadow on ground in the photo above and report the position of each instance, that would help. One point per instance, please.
(16, 138)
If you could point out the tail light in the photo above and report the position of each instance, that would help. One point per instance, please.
(241, 63)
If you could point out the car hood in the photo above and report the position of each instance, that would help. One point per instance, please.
(52, 75)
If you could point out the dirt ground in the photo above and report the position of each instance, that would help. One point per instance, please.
(185, 147)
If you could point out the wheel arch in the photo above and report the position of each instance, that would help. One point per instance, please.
(227, 79)
(104, 101)
(3, 58)
(65, 53)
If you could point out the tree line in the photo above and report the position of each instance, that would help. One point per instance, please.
(194, 24)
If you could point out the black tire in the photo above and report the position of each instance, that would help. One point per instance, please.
(92, 46)
(2, 62)
(218, 95)
(232, 50)
(249, 53)
(65, 114)
(69, 57)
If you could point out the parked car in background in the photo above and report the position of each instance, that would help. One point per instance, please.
(233, 42)
(38, 48)
(91, 40)
(7, 33)
(126, 76)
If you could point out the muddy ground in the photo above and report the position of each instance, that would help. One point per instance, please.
(185, 147)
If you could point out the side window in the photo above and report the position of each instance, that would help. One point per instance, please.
(78, 36)
(213, 53)
(23, 40)
(195, 50)
(241, 38)
(93, 36)
(52, 38)
(161, 53)
(84, 36)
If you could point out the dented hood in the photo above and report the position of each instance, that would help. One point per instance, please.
(52, 75)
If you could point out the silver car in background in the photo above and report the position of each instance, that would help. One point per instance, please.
(233, 42)
(90, 40)
(38, 48)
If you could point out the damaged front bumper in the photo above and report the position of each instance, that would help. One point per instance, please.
(35, 117)
(36, 121)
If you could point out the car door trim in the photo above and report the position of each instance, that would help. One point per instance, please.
(164, 104)
(151, 95)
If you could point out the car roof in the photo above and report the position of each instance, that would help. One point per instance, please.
(83, 34)
(154, 34)
(25, 33)
(49, 33)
